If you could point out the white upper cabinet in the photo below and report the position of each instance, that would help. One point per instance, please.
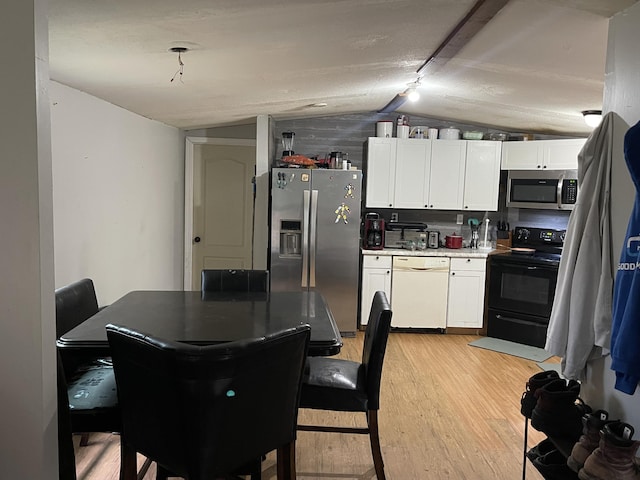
(434, 174)
(482, 175)
(447, 174)
(413, 167)
(542, 154)
(381, 172)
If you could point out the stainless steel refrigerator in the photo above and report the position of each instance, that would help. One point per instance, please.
(315, 236)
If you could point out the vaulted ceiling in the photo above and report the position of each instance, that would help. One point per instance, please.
(532, 68)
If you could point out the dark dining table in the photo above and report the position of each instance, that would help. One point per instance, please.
(208, 318)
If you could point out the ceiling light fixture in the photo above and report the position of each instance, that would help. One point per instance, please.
(592, 117)
(179, 51)
(411, 93)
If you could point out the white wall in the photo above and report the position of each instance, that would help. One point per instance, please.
(28, 422)
(622, 96)
(118, 196)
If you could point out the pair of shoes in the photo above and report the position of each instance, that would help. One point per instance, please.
(592, 423)
(559, 410)
(539, 380)
(615, 457)
(553, 466)
(541, 449)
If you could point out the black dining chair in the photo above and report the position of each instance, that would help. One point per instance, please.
(348, 386)
(93, 402)
(202, 412)
(235, 281)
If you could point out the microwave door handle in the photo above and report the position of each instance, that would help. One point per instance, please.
(306, 198)
(559, 191)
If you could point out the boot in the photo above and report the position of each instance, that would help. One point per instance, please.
(553, 466)
(592, 423)
(528, 401)
(558, 411)
(614, 459)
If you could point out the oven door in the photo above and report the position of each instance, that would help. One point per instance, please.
(522, 287)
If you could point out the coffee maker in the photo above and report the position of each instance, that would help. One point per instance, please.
(373, 232)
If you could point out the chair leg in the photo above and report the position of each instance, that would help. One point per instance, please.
(287, 462)
(128, 463)
(372, 419)
(84, 439)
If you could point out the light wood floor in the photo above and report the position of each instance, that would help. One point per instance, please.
(448, 411)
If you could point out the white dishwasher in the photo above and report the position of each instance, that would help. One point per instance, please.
(419, 288)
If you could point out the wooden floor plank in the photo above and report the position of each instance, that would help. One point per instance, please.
(448, 411)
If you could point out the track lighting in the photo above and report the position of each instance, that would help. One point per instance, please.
(411, 93)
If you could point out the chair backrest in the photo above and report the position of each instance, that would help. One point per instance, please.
(235, 281)
(74, 304)
(375, 345)
(201, 411)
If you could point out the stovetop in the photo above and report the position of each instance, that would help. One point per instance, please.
(545, 246)
(535, 258)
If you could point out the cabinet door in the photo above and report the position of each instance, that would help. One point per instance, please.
(374, 278)
(465, 306)
(522, 155)
(482, 175)
(446, 183)
(413, 160)
(562, 154)
(381, 168)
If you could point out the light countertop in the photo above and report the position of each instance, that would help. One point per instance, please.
(433, 252)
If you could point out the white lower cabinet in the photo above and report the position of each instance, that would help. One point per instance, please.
(465, 306)
(376, 275)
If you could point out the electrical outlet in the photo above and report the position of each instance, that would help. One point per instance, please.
(394, 216)
(459, 219)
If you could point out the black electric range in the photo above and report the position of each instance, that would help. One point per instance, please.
(522, 286)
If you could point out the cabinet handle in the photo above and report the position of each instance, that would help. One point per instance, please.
(390, 205)
(468, 260)
(388, 272)
(544, 166)
(453, 273)
(466, 206)
(430, 206)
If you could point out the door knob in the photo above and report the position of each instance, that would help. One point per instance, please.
(196, 240)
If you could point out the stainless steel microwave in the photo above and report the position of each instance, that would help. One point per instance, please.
(549, 189)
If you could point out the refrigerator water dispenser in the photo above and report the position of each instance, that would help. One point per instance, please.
(290, 238)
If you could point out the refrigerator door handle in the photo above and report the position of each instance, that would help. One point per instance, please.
(306, 197)
(313, 236)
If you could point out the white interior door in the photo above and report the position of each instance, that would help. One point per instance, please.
(222, 228)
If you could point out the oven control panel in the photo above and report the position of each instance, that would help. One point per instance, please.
(535, 237)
